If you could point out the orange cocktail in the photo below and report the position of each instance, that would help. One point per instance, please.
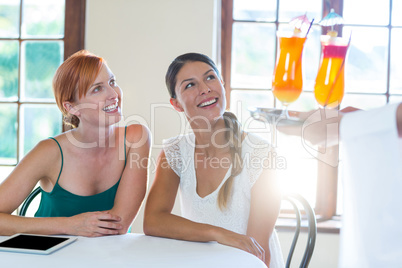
(330, 81)
(287, 83)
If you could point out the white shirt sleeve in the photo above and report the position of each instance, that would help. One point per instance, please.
(173, 155)
(371, 230)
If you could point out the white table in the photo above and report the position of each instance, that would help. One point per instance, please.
(134, 250)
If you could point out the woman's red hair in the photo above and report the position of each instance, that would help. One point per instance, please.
(75, 75)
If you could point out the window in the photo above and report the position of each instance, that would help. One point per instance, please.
(35, 38)
(248, 55)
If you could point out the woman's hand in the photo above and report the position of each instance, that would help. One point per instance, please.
(94, 224)
(243, 242)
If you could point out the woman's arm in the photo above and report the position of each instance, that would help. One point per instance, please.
(17, 186)
(159, 221)
(264, 210)
(43, 162)
(133, 183)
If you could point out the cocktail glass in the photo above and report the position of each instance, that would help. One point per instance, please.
(330, 81)
(287, 82)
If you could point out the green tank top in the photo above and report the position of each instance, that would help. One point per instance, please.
(62, 203)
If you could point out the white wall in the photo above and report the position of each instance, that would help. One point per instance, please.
(139, 38)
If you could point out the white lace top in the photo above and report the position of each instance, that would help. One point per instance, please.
(179, 153)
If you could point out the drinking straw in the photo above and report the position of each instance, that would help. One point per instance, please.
(337, 75)
(311, 24)
(308, 30)
(300, 57)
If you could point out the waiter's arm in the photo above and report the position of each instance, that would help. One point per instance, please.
(399, 120)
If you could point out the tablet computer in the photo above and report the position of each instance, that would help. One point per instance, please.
(37, 244)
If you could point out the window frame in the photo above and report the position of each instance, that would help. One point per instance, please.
(327, 176)
(74, 40)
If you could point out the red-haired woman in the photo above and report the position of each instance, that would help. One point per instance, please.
(88, 186)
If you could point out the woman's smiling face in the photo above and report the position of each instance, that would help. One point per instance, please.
(102, 102)
(199, 92)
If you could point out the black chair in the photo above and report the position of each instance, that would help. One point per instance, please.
(296, 200)
(28, 201)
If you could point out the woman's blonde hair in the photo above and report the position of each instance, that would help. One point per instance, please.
(234, 136)
(76, 74)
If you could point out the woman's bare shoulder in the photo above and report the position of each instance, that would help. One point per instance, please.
(137, 133)
(36, 162)
(46, 148)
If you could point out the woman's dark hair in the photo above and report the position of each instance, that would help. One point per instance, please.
(233, 136)
(178, 63)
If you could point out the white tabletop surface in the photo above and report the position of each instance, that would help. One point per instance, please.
(134, 250)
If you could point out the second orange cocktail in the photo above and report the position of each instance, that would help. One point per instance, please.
(330, 81)
(287, 83)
